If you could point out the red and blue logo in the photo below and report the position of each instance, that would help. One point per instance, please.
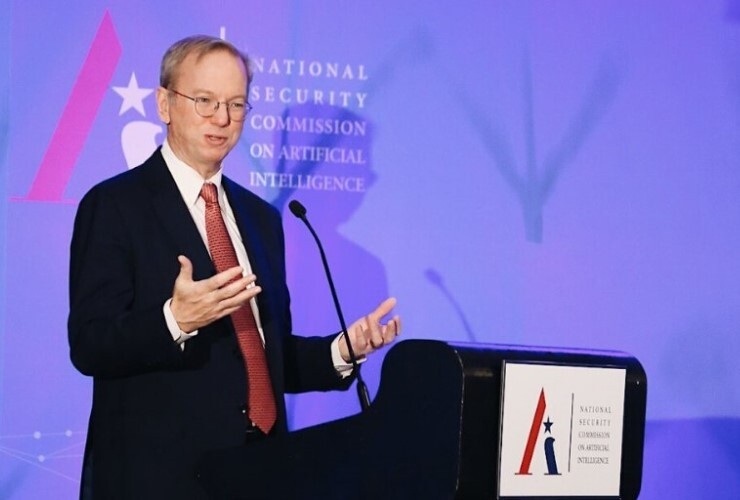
(541, 430)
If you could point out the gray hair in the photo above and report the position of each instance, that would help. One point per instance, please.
(199, 45)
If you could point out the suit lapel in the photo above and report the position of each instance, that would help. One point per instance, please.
(176, 219)
(249, 229)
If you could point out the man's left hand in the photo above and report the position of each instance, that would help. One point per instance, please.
(368, 334)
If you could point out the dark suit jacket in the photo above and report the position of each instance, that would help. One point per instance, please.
(156, 408)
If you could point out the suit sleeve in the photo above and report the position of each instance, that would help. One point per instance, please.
(110, 334)
(309, 366)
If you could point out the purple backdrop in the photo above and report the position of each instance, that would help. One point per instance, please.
(541, 173)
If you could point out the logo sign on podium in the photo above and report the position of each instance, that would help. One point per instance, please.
(561, 431)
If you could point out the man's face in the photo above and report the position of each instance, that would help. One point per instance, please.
(201, 142)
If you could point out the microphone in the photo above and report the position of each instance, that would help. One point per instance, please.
(297, 208)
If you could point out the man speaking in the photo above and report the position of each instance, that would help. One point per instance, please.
(179, 306)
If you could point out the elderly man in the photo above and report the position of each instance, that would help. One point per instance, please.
(179, 304)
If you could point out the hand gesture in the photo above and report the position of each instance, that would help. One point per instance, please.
(368, 334)
(196, 304)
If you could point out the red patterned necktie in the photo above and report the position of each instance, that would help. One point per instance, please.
(261, 399)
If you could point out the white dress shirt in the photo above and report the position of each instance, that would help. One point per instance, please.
(189, 182)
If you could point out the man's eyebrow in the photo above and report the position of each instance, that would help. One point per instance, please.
(211, 93)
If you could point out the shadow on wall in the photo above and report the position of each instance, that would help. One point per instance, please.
(534, 183)
(327, 157)
(435, 278)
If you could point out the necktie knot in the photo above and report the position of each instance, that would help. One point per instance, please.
(209, 193)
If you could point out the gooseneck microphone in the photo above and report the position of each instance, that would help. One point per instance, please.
(362, 393)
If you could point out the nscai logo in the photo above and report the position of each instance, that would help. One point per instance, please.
(540, 440)
(89, 90)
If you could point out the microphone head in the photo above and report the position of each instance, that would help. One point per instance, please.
(297, 208)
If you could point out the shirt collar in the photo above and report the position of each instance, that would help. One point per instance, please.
(188, 180)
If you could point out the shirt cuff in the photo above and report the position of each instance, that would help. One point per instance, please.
(343, 368)
(177, 335)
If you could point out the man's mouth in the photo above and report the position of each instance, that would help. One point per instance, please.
(216, 140)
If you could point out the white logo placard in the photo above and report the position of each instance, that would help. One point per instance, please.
(561, 432)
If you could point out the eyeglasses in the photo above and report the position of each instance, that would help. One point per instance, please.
(207, 107)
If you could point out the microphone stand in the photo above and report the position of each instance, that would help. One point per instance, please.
(362, 392)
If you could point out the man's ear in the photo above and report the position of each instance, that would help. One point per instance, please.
(163, 104)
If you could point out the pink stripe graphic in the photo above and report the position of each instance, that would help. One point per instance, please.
(78, 115)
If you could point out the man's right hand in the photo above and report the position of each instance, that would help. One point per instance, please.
(196, 304)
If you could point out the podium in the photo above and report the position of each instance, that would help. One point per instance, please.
(462, 421)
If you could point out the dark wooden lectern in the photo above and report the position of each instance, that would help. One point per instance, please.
(433, 432)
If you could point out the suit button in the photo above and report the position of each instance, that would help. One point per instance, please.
(243, 409)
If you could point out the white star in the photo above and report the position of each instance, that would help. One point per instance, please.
(133, 96)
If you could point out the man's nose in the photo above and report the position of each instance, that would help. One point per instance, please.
(221, 116)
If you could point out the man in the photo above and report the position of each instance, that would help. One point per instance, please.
(176, 274)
